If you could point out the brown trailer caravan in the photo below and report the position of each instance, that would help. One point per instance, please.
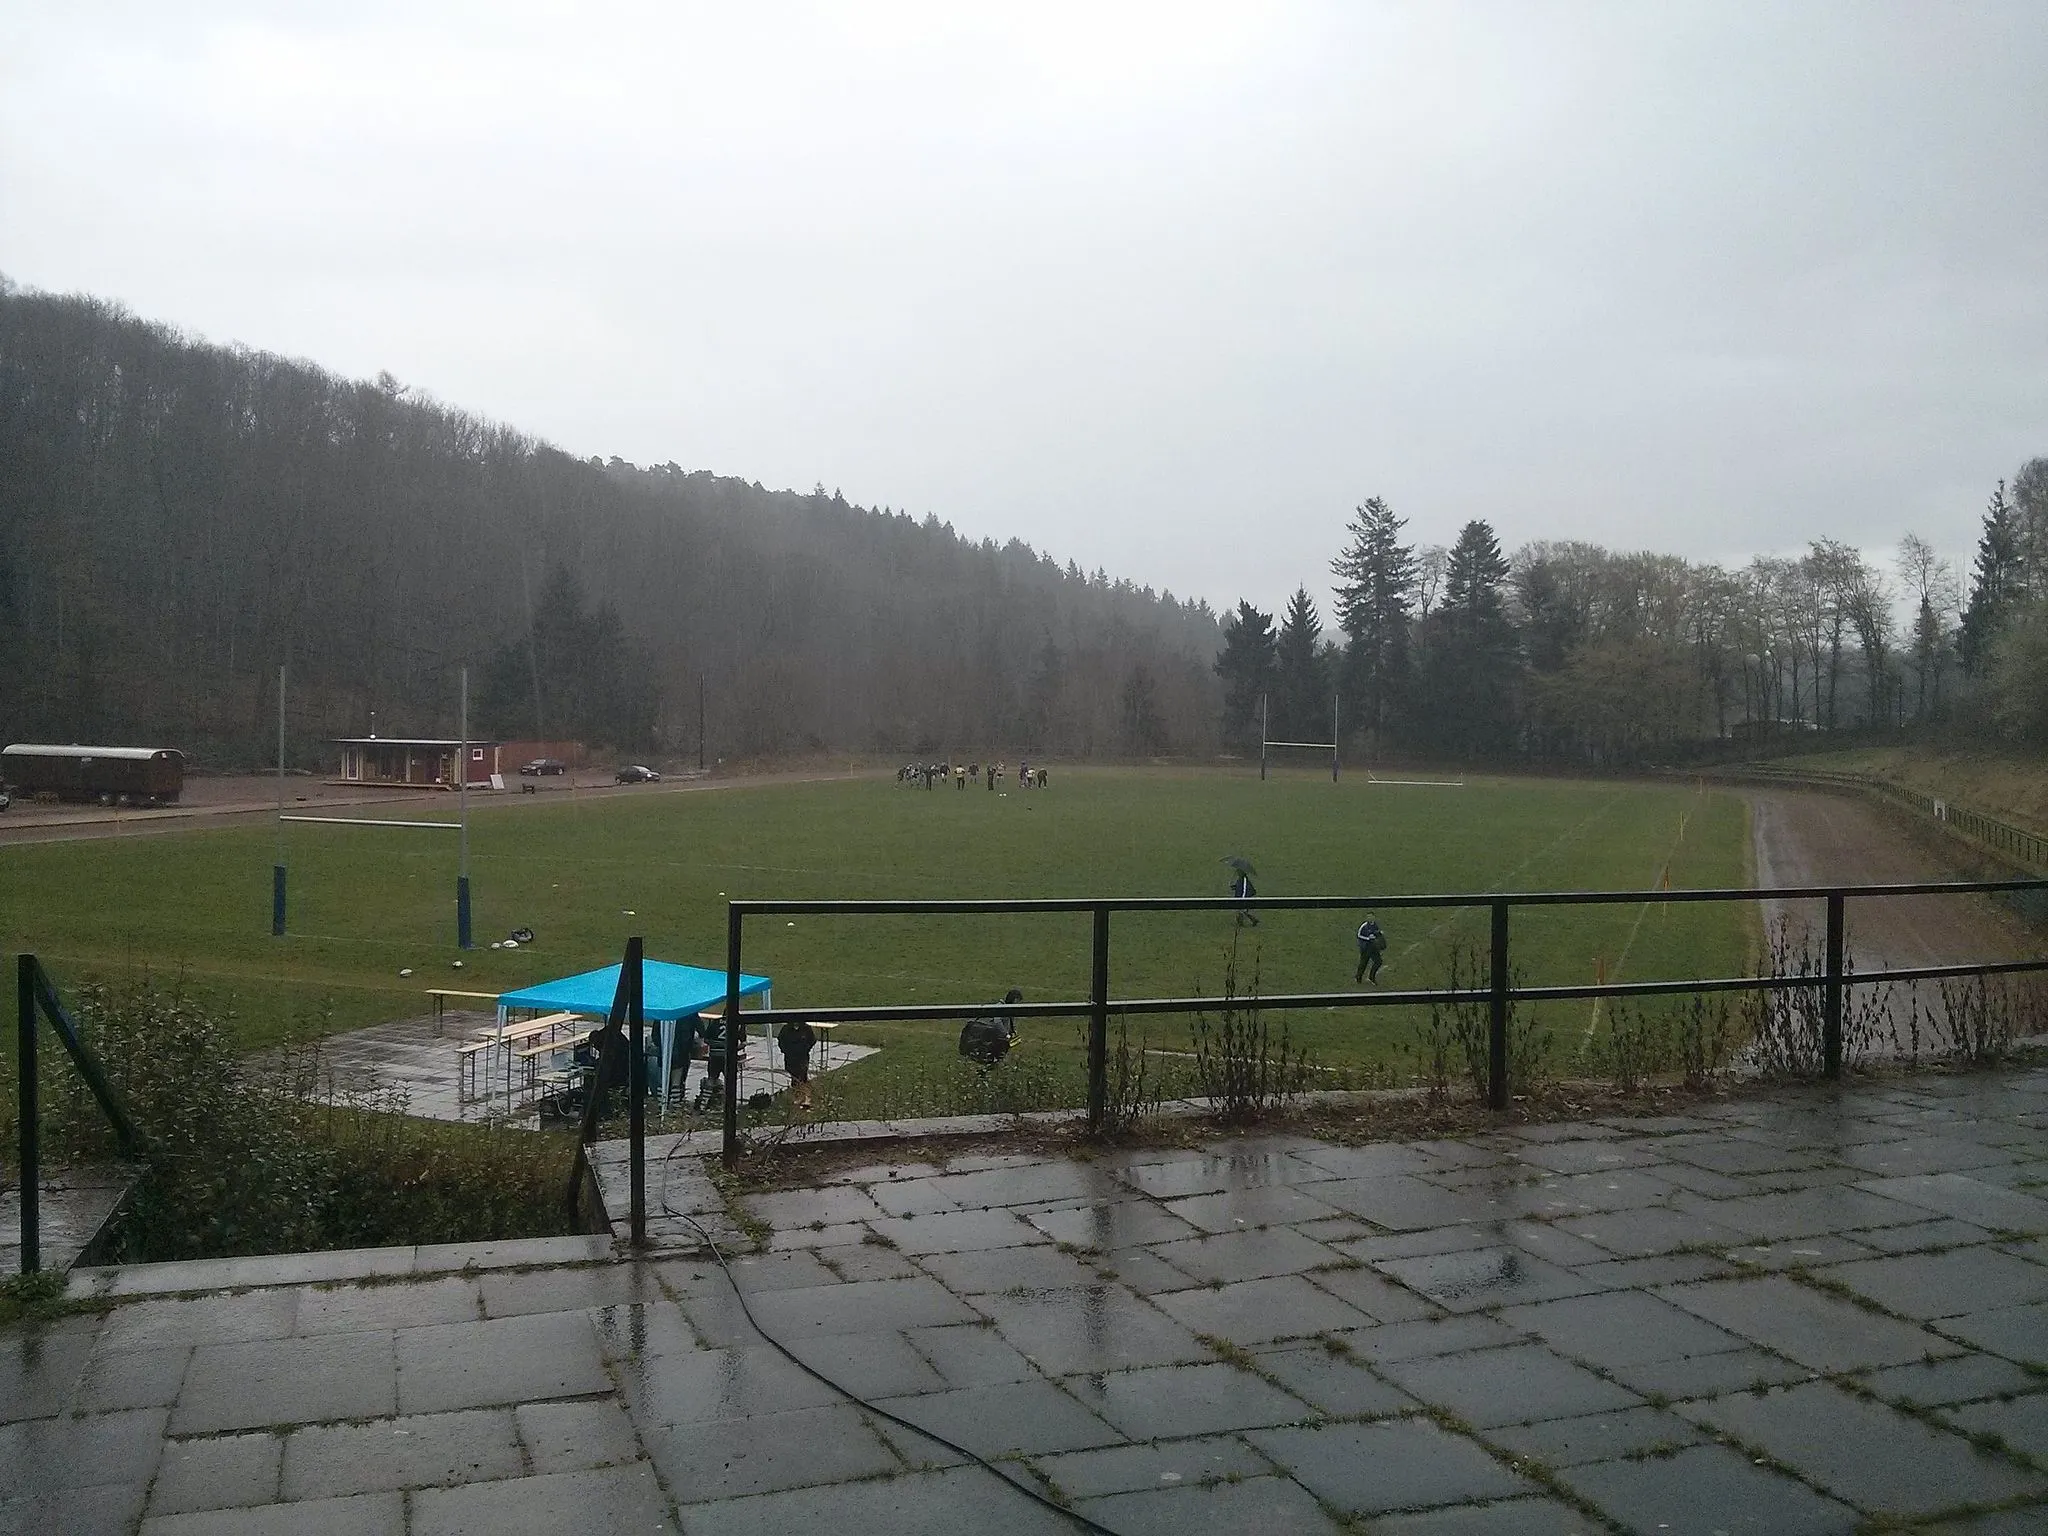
(103, 775)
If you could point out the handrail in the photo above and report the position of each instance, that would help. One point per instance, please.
(1833, 977)
(35, 996)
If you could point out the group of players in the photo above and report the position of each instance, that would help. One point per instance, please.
(991, 774)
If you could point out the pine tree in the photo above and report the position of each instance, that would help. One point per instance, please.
(1376, 581)
(1246, 667)
(1999, 583)
(1474, 657)
(1301, 682)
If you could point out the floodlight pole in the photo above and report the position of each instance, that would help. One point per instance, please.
(462, 934)
(277, 869)
(1265, 730)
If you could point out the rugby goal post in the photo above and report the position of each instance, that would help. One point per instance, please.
(1267, 744)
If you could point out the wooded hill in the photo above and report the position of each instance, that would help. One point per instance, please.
(177, 519)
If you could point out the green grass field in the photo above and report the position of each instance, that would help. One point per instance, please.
(194, 907)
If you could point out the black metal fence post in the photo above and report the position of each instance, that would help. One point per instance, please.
(733, 919)
(636, 1087)
(1831, 991)
(1098, 1022)
(31, 1114)
(1497, 1013)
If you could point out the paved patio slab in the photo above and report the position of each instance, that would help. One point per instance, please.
(1265, 1332)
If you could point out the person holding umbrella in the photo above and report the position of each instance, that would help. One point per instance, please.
(1242, 889)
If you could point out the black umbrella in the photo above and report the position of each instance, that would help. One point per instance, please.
(1241, 864)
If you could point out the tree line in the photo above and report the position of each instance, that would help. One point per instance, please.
(1569, 652)
(182, 518)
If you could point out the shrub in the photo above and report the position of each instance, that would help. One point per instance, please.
(1240, 1066)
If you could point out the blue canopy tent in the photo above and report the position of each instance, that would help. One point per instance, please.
(668, 992)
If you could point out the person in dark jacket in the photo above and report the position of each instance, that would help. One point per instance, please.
(796, 1040)
(1372, 949)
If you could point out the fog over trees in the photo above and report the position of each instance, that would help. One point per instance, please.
(181, 518)
(177, 519)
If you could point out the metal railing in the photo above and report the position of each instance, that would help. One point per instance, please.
(1498, 995)
(37, 1000)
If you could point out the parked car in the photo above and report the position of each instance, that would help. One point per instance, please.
(636, 773)
(543, 767)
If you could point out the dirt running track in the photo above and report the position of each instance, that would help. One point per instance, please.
(1809, 837)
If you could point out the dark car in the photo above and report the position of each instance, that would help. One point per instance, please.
(542, 767)
(635, 773)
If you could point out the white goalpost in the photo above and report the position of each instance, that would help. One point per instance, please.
(1266, 743)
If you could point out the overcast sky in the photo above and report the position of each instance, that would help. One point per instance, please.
(1167, 290)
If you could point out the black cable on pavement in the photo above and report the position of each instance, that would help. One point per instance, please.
(784, 1350)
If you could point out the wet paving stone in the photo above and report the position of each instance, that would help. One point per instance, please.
(1931, 1285)
(1375, 1161)
(640, 1331)
(831, 1206)
(1477, 1278)
(1960, 1379)
(869, 1364)
(1378, 1298)
(1586, 1194)
(1135, 1468)
(1105, 1226)
(362, 1514)
(1031, 1183)
(610, 1502)
(1796, 1253)
(1100, 1328)
(1865, 1454)
(734, 1457)
(1336, 1384)
(1259, 1311)
(1250, 1255)
(1708, 1490)
(1801, 1213)
(1508, 1517)
(2021, 1423)
(288, 1381)
(1397, 1464)
(510, 1360)
(1265, 1504)
(1028, 1416)
(1735, 1370)
(1620, 1328)
(1258, 1206)
(1819, 1331)
(576, 1436)
(45, 1456)
(1643, 1233)
(1197, 1173)
(1404, 1203)
(1410, 1245)
(1963, 1198)
(1508, 1386)
(945, 1503)
(867, 1261)
(370, 1309)
(1662, 1269)
(958, 1231)
(1430, 1336)
(131, 1378)
(422, 1451)
(1588, 1156)
(1569, 1442)
(1924, 1154)
(41, 1368)
(2018, 1333)
(522, 1293)
(719, 1384)
(1172, 1401)
(872, 1306)
(973, 1356)
(1038, 1268)
(226, 1319)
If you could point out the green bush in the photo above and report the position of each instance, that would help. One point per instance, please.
(241, 1160)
